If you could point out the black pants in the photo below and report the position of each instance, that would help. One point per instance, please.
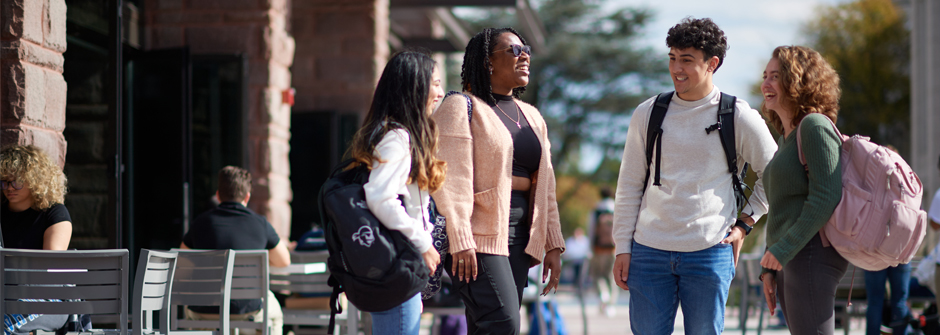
(492, 299)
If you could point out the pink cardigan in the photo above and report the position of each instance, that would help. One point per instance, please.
(476, 191)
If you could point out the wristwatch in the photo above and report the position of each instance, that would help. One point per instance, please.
(740, 223)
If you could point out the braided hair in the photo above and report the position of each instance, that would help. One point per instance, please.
(475, 73)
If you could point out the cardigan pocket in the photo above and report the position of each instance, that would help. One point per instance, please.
(484, 217)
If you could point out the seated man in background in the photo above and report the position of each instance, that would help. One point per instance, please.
(231, 225)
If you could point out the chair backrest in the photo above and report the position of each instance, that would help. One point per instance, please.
(152, 290)
(203, 278)
(312, 282)
(250, 281)
(65, 282)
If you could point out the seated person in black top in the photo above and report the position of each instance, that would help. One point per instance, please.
(231, 225)
(32, 217)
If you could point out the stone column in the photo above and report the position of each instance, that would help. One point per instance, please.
(259, 30)
(32, 89)
(342, 49)
(925, 94)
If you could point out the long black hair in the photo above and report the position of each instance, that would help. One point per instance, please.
(400, 101)
(475, 71)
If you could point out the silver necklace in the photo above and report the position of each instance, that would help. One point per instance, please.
(518, 116)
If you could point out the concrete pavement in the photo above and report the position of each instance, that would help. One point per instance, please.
(619, 324)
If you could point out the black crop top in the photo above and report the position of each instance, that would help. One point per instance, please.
(527, 149)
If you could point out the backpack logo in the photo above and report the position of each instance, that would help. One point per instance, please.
(364, 236)
(361, 204)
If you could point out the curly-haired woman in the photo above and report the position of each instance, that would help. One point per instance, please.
(33, 216)
(801, 90)
(33, 213)
(499, 195)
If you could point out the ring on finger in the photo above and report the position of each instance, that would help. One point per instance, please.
(460, 261)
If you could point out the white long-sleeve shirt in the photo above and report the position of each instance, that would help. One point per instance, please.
(389, 179)
(695, 206)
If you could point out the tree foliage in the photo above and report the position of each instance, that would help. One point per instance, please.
(587, 80)
(869, 46)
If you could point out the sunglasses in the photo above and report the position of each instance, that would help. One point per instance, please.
(517, 50)
(17, 185)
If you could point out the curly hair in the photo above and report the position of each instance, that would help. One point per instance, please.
(701, 34)
(43, 177)
(475, 73)
(808, 84)
(400, 101)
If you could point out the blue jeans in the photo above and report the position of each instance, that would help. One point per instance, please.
(404, 319)
(900, 277)
(660, 281)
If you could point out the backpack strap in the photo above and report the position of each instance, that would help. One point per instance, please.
(654, 134)
(799, 146)
(469, 104)
(725, 127)
(335, 306)
(726, 132)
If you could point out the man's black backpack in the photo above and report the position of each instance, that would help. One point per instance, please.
(378, 268)
(725, 128)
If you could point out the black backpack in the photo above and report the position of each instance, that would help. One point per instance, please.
(378, 268)
(725, 128)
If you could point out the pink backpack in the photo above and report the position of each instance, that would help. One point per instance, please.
(879, 222)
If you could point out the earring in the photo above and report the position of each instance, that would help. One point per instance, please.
(491, 71)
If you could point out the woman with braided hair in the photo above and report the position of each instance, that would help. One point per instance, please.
(499, 195)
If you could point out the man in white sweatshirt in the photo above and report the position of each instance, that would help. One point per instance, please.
(676, 240)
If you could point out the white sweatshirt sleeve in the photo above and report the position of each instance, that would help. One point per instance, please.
(756, 146)
(630, 181)
(388, 177)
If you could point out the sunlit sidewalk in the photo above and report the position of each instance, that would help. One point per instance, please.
(599, 324)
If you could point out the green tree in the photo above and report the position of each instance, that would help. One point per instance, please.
(869, 46)
(586, 81)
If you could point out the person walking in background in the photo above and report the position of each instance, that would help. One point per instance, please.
(34, 216)
(933, 216)
(601, 225)
(577, 254)
(802, 90)
(231, 225)
(499, 195)
(899, 278)
(678, 232)
(398, 140)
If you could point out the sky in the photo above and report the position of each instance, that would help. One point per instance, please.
(753, 27)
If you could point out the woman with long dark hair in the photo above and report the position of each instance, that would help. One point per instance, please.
(801, 91)
(398, 141)
(499, 196)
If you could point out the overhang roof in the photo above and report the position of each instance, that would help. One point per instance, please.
(457, 33)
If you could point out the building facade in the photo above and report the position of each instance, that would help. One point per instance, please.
(143, 101)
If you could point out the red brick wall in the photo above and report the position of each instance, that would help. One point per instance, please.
(341, 50)
(32, 90)
(256, 28)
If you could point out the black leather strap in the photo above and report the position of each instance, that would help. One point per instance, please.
(654, 134)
